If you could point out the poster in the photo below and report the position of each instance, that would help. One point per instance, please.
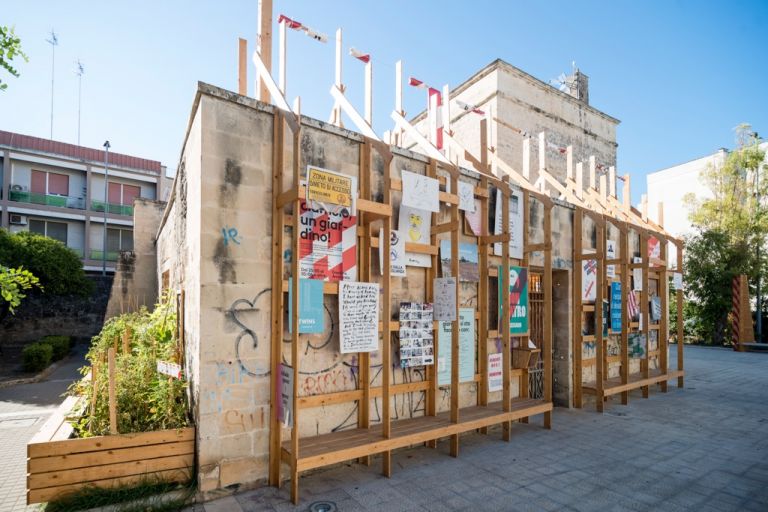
(616, 307)
(415, 226)
(469, 271)
(475, 219)
(328, 244)
(655, 308)
(610, 254)
(396, 253)
(311, 308)
(515, 224)
(420, 192)
(329, 187)
(606, 317)
(466, 196)
(677, 280)
(633, 310)
(637, 275)
(170, 369)
(285, 393)
(654, 248)
(518, 300)
(416, 334)
(466, 348)
(444, 291)
(588, 280)
(495, 373)
(358, 317)
(636, 345)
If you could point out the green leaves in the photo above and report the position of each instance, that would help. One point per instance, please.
(13, 281)
(10, 48)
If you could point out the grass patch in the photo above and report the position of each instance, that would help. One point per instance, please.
(142, 497)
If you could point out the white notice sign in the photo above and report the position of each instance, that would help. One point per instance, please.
(677, 280)
(637, 276)
(610, 253)
(466, 197)
(169, 369)
(495, 373)
(285, 392)
(420, 192)
(445, 299)
(358, 317)
(515, 224)
(396, 253)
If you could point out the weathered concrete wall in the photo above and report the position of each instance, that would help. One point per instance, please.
(135, 282)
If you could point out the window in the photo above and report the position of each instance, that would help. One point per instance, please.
(120, 193)
(49, 183)
(55, 230)
(119, 240)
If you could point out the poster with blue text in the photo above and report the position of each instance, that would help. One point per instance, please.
(616, 306)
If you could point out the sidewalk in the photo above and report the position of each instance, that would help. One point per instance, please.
(23, 410)
(702, 448)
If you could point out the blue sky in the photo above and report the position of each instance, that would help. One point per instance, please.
(680, 75)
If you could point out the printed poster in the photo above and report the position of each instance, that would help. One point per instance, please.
(396, 253)
(515, 224)
(677, 280)
(610, 253)
(518, 300)
(475, 219)
(416, 334)
(466, 196)
(495, 373)
(415, 226)
(469, 271)
(311, 308)
(358, 317)
(420, 192)
(329, 187)
(616, 307)
(588, 280)
(606, 317)
(466, 348)
(655, 308)
(637, 345)
(285, 392)
(637, 276)
(654, 248)
(444, 291)
(328, 244)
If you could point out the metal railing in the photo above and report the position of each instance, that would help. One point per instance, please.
(24, 196)
(111, 255)
(117, 209)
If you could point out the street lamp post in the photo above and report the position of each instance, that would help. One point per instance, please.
(106, 207)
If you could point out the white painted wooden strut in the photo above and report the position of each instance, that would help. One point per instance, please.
(266, 78)
(398, 134)
(542, 161)
(428, 148)
(569, 163)
(353, 114)
(580, 180)
(446, 113)
(336, 111)
(490, 124)
(592, 173)
(527, 158)
(369, 92)
(612, 181)
(603, 187)
(282, 56)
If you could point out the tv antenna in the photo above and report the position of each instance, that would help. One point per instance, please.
(54, 42)
(79, 71)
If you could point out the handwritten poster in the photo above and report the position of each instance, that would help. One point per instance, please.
(637, 344)
(469, 271)
(466, 196)
(285, 394)
(518, 300)
(616, 307)
(311, 308)
(515, 224)
(445, 298)
(475, 219)
(415, 226)
(328, 244)
(326, 186)
(677, 280)
(610, 253)
(416, 334)
(420, 192)
(358, 317)
(588, 280)
(466, 348)
(495, 373)
(637, 276)
(396, 253)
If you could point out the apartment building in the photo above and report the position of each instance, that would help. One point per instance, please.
(58, 190)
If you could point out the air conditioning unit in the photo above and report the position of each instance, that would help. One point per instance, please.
(19, 220)
(19, 188)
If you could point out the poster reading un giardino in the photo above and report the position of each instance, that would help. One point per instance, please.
(327, 244)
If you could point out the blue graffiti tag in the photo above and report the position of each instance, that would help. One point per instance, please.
(230, 234)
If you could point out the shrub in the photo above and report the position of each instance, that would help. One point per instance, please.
(36, 357)
(59, 269)
(59, 344)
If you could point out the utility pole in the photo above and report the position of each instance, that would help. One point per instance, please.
(80, 71)
(54, 42)
(106, 209)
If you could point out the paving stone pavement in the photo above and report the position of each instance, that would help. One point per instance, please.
(702, 448)
(23, 410)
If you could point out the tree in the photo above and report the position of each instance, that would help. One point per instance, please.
(13, 282)
(10, 48)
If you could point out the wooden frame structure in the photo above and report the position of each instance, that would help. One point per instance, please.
(361, 443)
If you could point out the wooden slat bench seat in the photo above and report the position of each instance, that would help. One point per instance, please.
(614, 385)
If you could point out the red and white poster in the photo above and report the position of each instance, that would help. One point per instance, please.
(654, 249)
(328, 244)
(495, 373)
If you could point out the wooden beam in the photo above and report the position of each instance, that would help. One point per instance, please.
(360, 123)
(242, 67)
(264, 48)
(427, 147)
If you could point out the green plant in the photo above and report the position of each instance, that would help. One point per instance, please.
(36, 357)
(60, 345)
(58, 267)
(146, 400)
(13, 281)
(10, 48)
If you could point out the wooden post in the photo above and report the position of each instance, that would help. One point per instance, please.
(457, 323)
(127, 341)
(242, 67)
(680, 331)
(546, 346)
(626, 285)
(504, 327)
(522, 341)
(264, 46)
(644, 316)
(578, 339)
(386, 312)
(282, 51)
(94, 395)
(431, 273)
(663, 331)
(482, 298)
(599, 341)
(112, 392)
(296, 211)
(363, 410)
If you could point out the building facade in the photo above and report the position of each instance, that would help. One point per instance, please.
(522, 107)
(59, 190)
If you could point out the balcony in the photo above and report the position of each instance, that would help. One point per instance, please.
(78, 250)
(117, 209)
(111, 255)
(20, 195)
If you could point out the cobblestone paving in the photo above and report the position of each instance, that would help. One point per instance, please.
(702, 448)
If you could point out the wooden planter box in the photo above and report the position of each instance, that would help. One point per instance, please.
(57, 466)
